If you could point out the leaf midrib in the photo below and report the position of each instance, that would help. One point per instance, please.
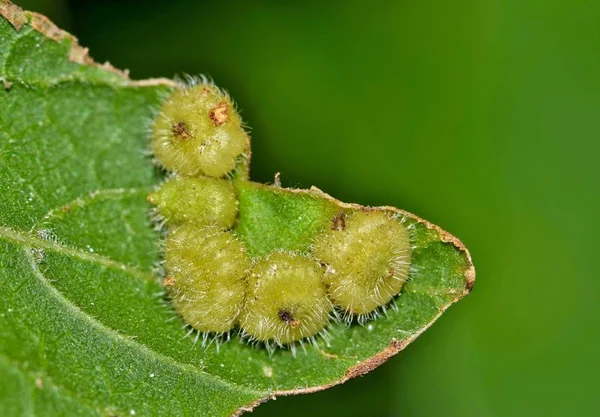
(28, 240)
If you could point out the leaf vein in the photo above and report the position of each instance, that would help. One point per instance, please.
(27, 239)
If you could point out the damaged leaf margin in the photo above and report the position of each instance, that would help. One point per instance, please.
(18, 17)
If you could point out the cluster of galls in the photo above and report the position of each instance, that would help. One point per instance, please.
(355, 266)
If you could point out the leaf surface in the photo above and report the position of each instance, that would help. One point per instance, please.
(85, 328)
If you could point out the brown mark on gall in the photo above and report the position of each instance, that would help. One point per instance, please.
(169, 281)
(287, 316)
(218, 114)
(180, 131)
(339, 222)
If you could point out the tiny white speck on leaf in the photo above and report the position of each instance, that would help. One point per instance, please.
(268, 371)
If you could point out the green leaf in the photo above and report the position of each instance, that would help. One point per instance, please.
(273, 218)
(85, 328)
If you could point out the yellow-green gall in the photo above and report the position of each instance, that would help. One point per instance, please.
(367, 256)
(198, 132)
(202, 201)
(286, 299)
(205, 273)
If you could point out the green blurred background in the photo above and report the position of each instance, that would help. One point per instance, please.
(481, 116)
